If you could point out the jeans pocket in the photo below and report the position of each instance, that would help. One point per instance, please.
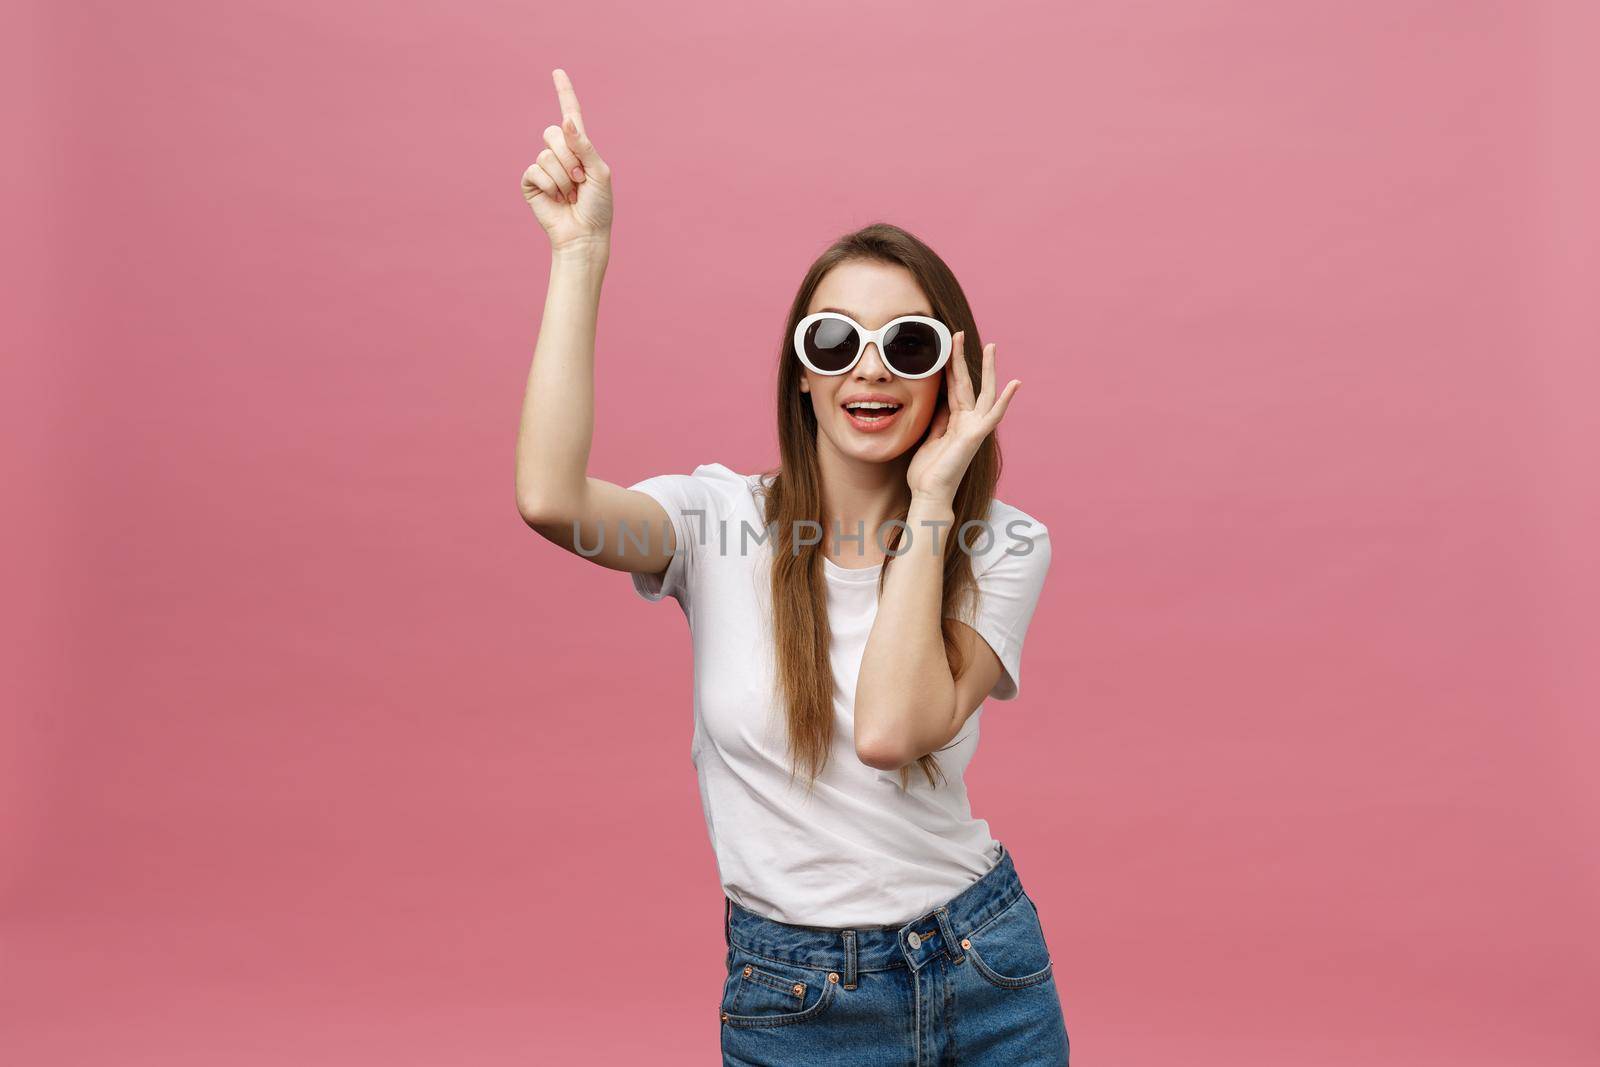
(762, 992)
(1010, 950)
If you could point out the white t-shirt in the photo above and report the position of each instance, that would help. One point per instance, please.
(858, 851)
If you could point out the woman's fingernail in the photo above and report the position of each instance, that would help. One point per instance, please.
(577, 174)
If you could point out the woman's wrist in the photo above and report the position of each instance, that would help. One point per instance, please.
(583, 252)
(928, 520)
(932, 501)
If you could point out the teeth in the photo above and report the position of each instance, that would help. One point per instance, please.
(872, 405)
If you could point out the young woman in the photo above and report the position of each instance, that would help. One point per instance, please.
(850, 611)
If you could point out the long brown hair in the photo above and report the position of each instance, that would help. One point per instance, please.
(793, 494)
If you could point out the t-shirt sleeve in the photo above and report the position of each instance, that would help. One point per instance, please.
(1010, 576)
(695, 503)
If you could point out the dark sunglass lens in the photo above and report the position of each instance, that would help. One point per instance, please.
(911, 348)
(831, 344)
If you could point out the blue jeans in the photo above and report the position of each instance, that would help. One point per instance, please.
(968, 983)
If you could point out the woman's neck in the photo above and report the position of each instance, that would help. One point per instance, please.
(858, 497)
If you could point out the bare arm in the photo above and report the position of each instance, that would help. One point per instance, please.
(569, 190)
(908, 701)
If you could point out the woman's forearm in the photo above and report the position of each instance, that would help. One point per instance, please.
(905, 694)
(557, 426)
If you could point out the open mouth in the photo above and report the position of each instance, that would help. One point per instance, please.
(871, 414)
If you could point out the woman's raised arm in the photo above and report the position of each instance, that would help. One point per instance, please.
(569, 189)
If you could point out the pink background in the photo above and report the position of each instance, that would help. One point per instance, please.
(318, 756)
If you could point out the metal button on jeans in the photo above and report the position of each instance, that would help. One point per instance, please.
(914, 940)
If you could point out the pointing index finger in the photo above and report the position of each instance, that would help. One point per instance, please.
(568, 97)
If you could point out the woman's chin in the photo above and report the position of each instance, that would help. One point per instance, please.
(874, 451)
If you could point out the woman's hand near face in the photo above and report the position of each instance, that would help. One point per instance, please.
(569, 185)
(960, 426)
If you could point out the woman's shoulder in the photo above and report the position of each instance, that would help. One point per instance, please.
(733, 489)
(721, 472)
(1012, 537)
(1001, 513)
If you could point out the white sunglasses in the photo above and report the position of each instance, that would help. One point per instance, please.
(912, 346)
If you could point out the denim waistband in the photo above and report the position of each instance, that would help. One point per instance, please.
(878, 948)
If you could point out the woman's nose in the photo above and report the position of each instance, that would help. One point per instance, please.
(871, 365)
